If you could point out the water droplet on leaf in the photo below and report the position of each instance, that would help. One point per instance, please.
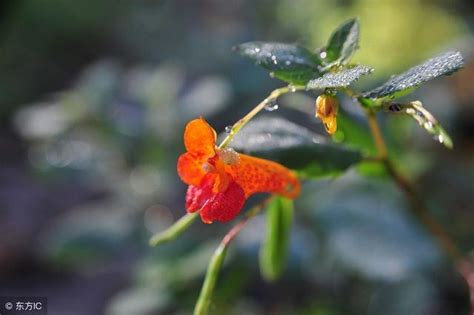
(274, 58)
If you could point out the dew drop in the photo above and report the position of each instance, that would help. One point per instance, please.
(228, 130)
(274, 58)
(323, 54)
(439, 138)
(271, 105)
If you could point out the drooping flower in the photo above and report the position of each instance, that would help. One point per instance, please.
(220, 180)
(326, 110)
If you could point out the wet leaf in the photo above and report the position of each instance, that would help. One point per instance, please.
(366, 230)
(274, 251)
(341, 78)
(287, 62)
(343, 42)
(424, 118)
(402, 84)
(295, 147)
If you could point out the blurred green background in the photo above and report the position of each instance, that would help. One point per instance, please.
(94, 96)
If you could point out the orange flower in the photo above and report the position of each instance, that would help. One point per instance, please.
(220, 180)
(326, 110)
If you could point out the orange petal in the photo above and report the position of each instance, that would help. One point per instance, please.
(258, 175)
(190, 169)
(200, 138)
(330, 123)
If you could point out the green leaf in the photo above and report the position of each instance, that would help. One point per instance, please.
(274, 250)
(290, 63)
(424, 118)
(341, 78)
(366, 230)
(372, 169)
(295, 147)
(343, 42)
(406, 82)
(353, 133)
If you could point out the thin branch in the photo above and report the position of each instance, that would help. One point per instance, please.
(418, 207)
(272, 97)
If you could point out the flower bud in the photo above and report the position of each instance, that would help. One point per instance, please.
(326, 110)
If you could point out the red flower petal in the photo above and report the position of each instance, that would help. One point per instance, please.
(224, 206)
(196, 196)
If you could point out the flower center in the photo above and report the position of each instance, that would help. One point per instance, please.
(228, 156)
(217, 165)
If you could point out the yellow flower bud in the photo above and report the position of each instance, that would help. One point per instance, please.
(326, 110)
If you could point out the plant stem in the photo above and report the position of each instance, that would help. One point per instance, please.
(418, 207)
(377, 135)
(215, 265)
(421, 212)
(174, 231)
(272, 97)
